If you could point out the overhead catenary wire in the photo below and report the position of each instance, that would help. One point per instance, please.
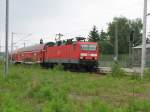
(18, 41)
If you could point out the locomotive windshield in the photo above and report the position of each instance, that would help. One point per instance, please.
(88, 47)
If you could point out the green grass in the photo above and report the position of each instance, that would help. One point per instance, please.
(32, 89)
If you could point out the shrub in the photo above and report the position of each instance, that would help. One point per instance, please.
(117, 71)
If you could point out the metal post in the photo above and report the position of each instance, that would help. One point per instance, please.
(12, 44)
(0, 44)
(116, 42)
(6, 40)
(24, 44)
(130, 54)
(144, 39)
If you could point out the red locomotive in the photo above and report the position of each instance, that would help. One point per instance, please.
(71, 54)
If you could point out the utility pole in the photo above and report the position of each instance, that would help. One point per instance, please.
(0, 44)
(131, 44)
(144, 39)
(6, 40)
(24, 44)
(116, 42)
(12, 44)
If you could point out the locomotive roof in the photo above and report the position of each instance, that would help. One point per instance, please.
(39, 47)
(36, 47)
(87, 42)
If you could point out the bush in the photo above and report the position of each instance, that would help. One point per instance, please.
(117, 71)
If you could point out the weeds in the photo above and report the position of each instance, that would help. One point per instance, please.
(32, 89)
(58, 67)
(147, 75)
(117, 71)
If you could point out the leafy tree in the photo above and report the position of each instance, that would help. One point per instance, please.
(124, 27)
(104, 43)
(94, 35)
(136, 26)
(106, 47)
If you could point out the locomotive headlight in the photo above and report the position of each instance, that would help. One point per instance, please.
(94, 55)
(81, 57)
(83, 54)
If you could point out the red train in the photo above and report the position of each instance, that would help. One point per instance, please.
(72, 54)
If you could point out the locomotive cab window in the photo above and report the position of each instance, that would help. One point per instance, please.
(88, 47)
(92, 47)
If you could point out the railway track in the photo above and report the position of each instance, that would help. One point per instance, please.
(106, 70)
(103, 70)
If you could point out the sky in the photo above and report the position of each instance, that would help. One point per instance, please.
(32, 20)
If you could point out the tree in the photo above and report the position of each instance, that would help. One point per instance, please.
(104, 43)
(94, 35)
(105, 47)
(124, 28)
(136, 26)
(103, 35)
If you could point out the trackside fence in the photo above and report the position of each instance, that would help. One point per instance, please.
(107, 60)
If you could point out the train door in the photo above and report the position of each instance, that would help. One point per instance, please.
(42, 55)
